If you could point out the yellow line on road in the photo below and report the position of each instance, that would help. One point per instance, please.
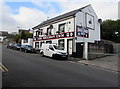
(3, 68)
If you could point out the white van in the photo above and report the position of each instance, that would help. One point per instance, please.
(53, 50)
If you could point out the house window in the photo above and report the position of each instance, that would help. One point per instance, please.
(25, 41)
(61, 27)
(37, 45)
(49, 31)
(61, 43)
(39, 32)
(49, 42)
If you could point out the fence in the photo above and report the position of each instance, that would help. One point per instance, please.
(99, 49)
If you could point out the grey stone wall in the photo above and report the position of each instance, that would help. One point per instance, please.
(116, 48)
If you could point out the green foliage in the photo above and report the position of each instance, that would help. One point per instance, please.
(24, 35)
(110, 30)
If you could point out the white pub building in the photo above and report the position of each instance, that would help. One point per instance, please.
(72, 31)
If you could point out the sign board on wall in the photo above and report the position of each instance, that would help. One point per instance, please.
(82, 32)
(56, 36)
(89, 21)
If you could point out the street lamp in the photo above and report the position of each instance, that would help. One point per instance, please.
(19, 28)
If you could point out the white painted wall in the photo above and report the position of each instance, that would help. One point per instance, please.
(29, 42)
(1, 38)
(68, 27)
(81, 21)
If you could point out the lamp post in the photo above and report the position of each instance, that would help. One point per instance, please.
(19, 28)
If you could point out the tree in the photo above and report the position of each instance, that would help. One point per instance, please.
(110, 30)
(17, 38)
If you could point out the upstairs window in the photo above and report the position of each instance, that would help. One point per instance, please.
(39, 32)
(61, 28)
(49, 31)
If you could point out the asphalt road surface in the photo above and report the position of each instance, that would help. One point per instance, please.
(32, 70)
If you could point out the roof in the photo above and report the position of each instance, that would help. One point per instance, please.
(3, 33)
(71, 13)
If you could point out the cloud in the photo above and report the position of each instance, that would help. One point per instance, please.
(29, 17)
(7, 21)
(104, 10)
(48, 7)
(42, 4)
(25, 19)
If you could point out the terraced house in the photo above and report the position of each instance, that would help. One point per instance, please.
(72, 31)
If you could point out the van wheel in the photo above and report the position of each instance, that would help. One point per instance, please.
(53, 56)
(42, 54)
(25, 51)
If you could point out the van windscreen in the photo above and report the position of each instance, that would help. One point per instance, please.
(58, 47)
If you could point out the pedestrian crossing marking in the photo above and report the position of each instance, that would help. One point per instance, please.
(3, 68)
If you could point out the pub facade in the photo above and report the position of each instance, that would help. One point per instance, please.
(72, 31)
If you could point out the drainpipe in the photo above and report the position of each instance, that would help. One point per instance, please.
(74, 39)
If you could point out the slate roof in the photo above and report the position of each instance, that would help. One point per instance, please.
(3, 33)
(71, 13)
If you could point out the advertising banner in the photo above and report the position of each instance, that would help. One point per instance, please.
(82, 32)
(56, 36)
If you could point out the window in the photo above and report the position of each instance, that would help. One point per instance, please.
(57, 47)
(61, 43)
(61, 28)
(49, 31)
(39, 32)
(37, 45)
(50, 47)
(50, 42)
(25, 41)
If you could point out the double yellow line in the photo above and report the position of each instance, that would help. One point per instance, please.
(3, 68)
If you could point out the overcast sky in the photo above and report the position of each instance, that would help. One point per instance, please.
(24, 14)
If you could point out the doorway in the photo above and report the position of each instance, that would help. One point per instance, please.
(79, 50)
(70, 45)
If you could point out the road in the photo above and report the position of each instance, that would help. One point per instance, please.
(32, 70)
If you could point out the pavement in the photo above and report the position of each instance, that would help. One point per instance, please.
(109, 62)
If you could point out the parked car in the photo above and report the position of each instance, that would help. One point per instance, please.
(53, 50)
(17, 47)
(10, 45)
(27, 48)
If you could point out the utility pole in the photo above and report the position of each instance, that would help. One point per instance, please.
(20, 30)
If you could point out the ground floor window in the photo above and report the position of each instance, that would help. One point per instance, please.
(49, 42)
(61, 43)
(41, 43)
(37, 45)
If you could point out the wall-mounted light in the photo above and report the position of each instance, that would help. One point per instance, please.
(100, 21)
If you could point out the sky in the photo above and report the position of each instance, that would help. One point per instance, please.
(26, 14)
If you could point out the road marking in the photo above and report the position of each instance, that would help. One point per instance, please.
(3, 68)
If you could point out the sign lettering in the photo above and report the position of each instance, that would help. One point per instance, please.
(56, 36)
